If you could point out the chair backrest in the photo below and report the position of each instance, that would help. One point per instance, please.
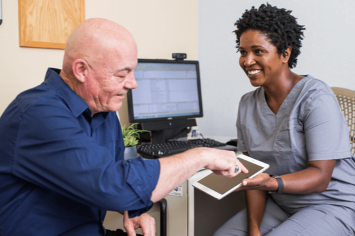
(346, 100)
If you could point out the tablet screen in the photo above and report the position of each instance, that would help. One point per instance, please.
(222, 184)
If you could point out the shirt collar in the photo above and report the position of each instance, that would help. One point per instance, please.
(76, 104)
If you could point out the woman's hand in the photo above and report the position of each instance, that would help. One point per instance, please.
(261, 182)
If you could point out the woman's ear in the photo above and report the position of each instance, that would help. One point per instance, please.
(286, 55)
(79, 67)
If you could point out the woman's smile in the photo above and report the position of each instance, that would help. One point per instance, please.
(253, 72)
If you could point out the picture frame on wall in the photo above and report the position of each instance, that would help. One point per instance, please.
(48, 24)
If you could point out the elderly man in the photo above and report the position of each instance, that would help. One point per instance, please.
(61, 147)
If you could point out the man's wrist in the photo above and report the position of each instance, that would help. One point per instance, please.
(200, 159)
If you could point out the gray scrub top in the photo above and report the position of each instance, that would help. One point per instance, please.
(309, 126)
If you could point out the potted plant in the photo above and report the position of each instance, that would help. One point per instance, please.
(130, 139)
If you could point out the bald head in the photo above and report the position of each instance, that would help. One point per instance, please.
(98, 63)
(94, 39)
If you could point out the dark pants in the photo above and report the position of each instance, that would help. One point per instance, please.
(118, 232)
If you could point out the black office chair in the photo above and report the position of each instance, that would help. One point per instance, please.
(163, 206)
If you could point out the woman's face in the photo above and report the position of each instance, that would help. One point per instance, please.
(259, 58)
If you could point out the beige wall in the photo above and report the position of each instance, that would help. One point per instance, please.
(160, 28)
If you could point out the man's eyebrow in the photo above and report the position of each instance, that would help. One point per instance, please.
(123, 69)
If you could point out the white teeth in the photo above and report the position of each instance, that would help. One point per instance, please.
(253, 72)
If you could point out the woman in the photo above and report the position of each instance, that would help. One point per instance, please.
(294, 123)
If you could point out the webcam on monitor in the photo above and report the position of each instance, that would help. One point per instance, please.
(179, 56)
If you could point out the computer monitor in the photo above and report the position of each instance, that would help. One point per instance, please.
(168, 97)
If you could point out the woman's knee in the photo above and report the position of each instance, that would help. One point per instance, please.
(236, 226)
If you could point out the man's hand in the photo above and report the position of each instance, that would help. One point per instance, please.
(144, 221)
(224, 163)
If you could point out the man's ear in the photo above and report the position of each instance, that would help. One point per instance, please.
(79, 67)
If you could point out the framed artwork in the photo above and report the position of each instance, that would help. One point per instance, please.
(48, 24)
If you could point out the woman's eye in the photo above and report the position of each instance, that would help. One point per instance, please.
(242, 52)
(258, 51)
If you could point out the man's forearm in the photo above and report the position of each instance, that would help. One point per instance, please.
(176, 169)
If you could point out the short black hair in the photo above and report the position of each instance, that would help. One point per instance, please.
(278, 25)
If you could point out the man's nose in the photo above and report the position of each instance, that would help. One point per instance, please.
(131, 83)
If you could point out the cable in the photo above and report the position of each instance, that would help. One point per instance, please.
(202, 136)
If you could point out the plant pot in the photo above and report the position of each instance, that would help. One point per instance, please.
(130, 152)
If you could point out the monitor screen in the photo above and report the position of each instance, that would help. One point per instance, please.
(167, 89)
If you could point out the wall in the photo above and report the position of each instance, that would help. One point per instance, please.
(160, 28)
(327, 53)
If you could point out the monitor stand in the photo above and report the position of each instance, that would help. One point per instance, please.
(158, 136)
(162, 130)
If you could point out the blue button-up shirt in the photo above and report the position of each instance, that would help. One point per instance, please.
(61, 169)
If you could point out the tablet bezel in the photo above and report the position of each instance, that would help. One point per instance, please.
(219, 196)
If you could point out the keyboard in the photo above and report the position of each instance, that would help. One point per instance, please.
(153, 151)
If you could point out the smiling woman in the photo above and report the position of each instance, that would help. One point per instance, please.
(260, 59)
(280, 123)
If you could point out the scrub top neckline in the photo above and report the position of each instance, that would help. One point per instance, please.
(271, 116)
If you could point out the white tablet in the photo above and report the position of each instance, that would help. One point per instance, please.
(219, 186)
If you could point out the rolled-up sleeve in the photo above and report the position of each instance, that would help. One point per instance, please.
(143, 185)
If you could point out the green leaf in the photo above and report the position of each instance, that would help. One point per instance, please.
(131, 135)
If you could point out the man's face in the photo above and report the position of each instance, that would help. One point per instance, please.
(110, 78)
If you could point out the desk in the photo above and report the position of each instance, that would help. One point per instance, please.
(205, 213)
(191, 200)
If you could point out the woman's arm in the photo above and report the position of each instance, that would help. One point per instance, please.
(315, 178)
(256, 201)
